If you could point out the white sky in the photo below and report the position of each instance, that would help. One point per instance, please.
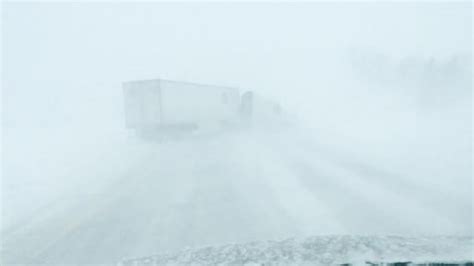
(72, 53)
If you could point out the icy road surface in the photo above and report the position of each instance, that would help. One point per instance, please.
(141, 199)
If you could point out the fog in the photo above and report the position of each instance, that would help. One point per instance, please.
(377, 137)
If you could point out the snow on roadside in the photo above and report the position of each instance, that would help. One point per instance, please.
(321, 250)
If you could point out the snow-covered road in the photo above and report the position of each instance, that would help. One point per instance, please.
(229, 188)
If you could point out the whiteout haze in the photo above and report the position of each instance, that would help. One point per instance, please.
(364, 151)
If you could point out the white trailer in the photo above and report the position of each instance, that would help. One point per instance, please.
(157, 105)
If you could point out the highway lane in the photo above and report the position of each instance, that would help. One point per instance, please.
(229, 188)
(182, 194)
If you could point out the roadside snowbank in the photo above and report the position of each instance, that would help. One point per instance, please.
(320, 250)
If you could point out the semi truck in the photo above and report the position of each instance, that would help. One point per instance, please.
(160, 107)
